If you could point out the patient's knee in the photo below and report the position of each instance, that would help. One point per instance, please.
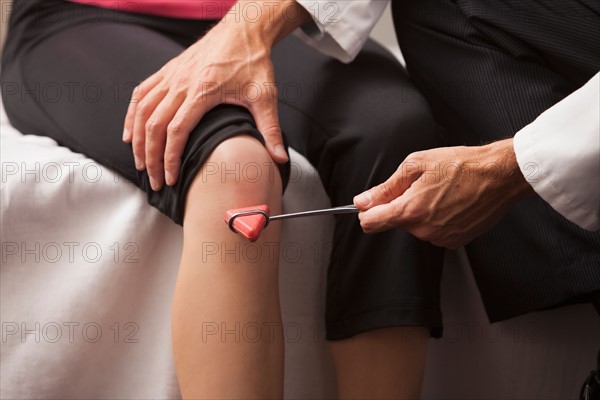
(241, 161)
(239, 173)
(239, 168)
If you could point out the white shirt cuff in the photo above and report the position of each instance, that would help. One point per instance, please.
(340, 28)
(559, 155)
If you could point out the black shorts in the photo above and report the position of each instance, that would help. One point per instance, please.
(355, 123)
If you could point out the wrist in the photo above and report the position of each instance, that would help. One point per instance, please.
(509, 171)
(266, 22)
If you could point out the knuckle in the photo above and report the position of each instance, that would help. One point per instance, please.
(195, 89)
(152, 127)
(270, 99)
(366, 227)
(202, 97)
(144, 109)
(412, 216)
(152, 162)
(414, 213)
(391, 222)
(139, 153)
(129, 119)
(137, 143)
(210, 75)
(433, 234)
(266, 101)
(150, 124)
(414, 159)
(416, 155)
(422, 233)
(178, 91)
(364, 222)
(171, 163)
(384, 190)
(272, 133)
(205, 87)
(175, 130)
(136, 94)
(181, 80)
(168, 67)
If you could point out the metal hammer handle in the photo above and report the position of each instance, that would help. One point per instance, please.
(350, 209)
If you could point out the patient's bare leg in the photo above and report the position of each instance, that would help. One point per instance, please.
(226, 322)
(381, 364)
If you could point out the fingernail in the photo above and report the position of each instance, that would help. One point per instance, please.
(125, 134)
(138, 163)
(363, 199)
(153, 184)
(169, 178)
(280, 151)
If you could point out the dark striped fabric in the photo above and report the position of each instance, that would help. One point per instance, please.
(488, 68)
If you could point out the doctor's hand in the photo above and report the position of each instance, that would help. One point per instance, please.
(231, 64)
(447, 196)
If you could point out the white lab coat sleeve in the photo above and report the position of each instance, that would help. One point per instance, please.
(340, 28)
(559, 155)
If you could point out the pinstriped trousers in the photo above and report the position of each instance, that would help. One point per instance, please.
(488, 68)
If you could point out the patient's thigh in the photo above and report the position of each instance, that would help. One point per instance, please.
(77, 84)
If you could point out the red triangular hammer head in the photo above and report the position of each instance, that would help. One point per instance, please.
(251, 225)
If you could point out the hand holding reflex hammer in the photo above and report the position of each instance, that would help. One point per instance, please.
(447, 196)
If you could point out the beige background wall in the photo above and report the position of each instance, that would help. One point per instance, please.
(4, 14)
(384, 33)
